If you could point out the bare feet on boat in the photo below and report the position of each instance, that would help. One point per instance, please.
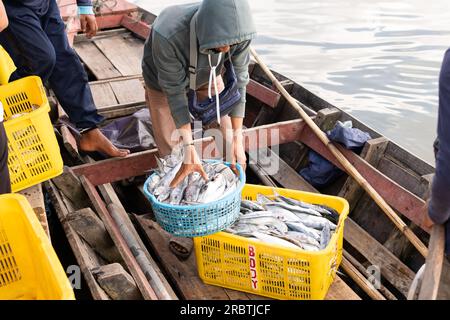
(94, 140)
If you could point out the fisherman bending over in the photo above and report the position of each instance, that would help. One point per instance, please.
(37, 43)
(196, 64)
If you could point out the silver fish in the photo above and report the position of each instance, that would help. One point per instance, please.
(153, 182)
(274, 240)
(303, 238)
(251, 205)
(293, 208)
(325, 237)
(262, 199)
(178, 192)
(212, 190)
(315, 222)
(302, 204)
(195, 182)
(282, 214)
(162, 189)
(300, 227)
(271, 222)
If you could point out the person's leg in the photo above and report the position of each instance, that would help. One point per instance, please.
(5, 185)
(164, 129)
(70, 83)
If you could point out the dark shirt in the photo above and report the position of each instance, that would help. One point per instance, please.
(440, 194)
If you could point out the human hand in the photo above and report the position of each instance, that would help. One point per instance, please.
(191, 163)
(88, 24)
(238, 153)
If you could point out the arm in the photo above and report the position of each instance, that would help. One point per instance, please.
(87, 18)
(439, 208)
(241, 59)
(3, 17)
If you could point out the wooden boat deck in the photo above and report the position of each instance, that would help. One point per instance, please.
(113, 62)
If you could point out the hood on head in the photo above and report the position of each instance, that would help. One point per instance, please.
(224, 22)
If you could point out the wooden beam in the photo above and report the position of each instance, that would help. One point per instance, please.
(136, 164)
(372, 152)
(139, 28)
(35, 197)
(85, 260)
(119, 241)
(433, 265)
(263, 93)
(395, 271)
(395, 195)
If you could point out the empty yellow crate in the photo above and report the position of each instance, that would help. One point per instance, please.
(29, 267)
(235, 262)
(34, 154)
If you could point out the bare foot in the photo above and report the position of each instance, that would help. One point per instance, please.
(94, 140)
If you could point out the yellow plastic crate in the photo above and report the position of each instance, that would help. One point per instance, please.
(29, 267)
(34, 154)
(238, 263)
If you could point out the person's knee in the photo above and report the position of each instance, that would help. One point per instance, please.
(44, 61)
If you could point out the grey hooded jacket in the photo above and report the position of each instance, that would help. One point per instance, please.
(166, 53)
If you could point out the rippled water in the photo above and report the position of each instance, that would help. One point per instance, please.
(378, 60)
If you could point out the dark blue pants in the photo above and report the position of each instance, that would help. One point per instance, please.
(5, 185)
(38, 44)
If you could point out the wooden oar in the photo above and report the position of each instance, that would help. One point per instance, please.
(351, 170)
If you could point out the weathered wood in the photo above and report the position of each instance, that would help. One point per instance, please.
(395, 271)
(85, 260)
(139, 28)
(433, 265)
(182, 273)
(263, 93)
(123, 53)
(120, 111)
(100, 34)
(383, 290)
(362, 282)
(103, 95)
(70, 142)
(395, 195)
(372, 152)
(69, 184)
(117, 283)
(444, 287)
(96, 61)
(128, 91)
(35, 197)
(339, 290)
(408, 160)
(119, 241)
(89, 226)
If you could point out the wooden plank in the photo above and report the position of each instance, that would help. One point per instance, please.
(103, 95)
(70, 142)
(360, 280)
(182, 273)
(85, 260)
(395, 271)
(119, 241)
(124, 53)
(339, 290)
(120, 111)
(35, 197)
(109, 21)
(129, 91)
(433, 265)
(139, 163)
(372, 152)
(139, 28)
(118, 283)
(395, 195)
(158, 280)
(409, 160)
(96, 61)
(444, 287)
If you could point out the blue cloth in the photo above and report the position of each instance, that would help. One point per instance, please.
(320, 172)
(37, 42)
(439, 207)
(352, 138)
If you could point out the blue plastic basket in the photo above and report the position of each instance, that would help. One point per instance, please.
(198, 220)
